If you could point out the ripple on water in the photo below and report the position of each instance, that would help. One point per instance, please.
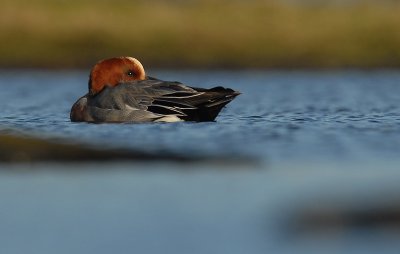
(278, 116)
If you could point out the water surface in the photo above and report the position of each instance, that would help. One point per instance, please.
(279, 116)
(327, 146)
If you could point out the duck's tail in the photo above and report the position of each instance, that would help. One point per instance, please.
(210, 103)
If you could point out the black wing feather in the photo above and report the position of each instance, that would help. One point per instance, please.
(167, 98)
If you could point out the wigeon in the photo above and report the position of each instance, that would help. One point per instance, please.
(120, 91)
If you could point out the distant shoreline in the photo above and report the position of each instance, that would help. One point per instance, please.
(200, 34)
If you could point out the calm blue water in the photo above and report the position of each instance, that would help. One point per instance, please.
(328, 146)
(281, 116)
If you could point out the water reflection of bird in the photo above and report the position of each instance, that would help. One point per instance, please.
(120, 91)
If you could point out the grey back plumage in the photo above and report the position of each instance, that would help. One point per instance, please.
(152, 99)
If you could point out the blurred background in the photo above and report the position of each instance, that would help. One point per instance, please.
(305, 160)
(201, 34)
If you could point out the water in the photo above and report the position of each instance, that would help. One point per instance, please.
(324, 142)
(280, 116)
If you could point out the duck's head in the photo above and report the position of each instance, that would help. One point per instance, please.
(110, 72)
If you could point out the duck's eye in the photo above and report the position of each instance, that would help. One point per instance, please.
(130, 73)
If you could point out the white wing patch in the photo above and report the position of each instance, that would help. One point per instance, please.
(129, 107)
(169, 119)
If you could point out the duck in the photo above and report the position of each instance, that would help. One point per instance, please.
(120, 91)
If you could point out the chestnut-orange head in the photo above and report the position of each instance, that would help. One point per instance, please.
(112, 71)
